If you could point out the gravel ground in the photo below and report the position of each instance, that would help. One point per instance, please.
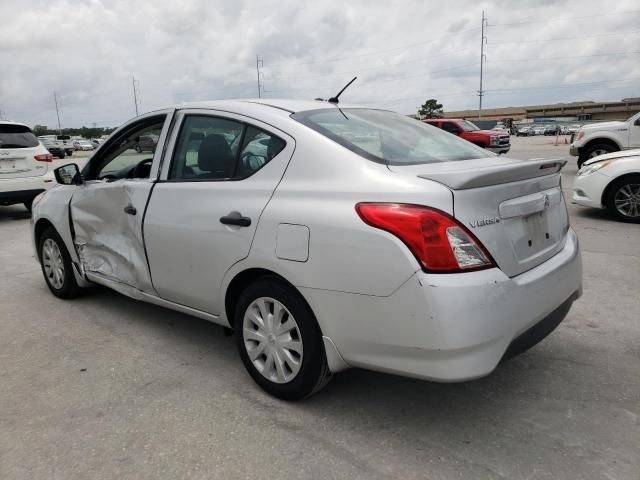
(105, 387)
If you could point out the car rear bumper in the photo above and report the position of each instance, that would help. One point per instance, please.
(19, 190)
(452, 327)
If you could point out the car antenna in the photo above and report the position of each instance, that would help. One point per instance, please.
(335, 99)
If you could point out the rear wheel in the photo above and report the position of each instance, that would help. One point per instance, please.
(279, 340)
(623, 199)
(56, 265)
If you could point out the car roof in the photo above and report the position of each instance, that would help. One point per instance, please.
(7, 122)
(286, 106)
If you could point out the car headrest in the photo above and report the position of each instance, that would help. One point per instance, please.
(215, 156)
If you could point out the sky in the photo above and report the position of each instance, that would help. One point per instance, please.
(402, 52)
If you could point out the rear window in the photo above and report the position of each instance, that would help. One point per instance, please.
(17, 136)
(387, 137)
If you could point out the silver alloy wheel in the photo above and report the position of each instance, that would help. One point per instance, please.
(53, 263)
(627, 200)
(598, 152)
(272, 340)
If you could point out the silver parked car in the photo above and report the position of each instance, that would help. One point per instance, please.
(325, 237)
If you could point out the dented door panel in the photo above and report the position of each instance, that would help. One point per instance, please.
(108, 239)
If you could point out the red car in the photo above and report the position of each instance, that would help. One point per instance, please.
(496, 141)
(146, 143)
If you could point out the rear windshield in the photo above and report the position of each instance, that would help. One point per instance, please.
(17, 136)
(387, 137)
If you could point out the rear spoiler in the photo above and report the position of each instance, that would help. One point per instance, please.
(496, 174)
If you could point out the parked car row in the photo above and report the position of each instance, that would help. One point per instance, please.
(532, 130)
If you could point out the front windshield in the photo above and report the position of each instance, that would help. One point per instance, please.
(387, 137)
(468, 126)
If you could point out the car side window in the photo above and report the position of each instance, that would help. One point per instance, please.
(214, 148)
(451, 128)
(130, 154)
(258, 148)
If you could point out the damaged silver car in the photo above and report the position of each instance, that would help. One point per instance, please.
(326, 237)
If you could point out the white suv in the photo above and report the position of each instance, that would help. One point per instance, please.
(605, 137)
(24, 164)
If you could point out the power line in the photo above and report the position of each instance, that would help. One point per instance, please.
(547, 20)
(384, 80)
(405, 62)
(401, 47)
(564, 85)
(528, 60)
(581, 37)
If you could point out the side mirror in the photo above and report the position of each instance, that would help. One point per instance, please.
(68, 174)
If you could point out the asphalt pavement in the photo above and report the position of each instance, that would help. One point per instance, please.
(105, 387)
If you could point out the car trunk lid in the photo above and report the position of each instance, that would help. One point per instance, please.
(514, 207)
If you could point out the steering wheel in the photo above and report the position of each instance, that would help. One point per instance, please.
(142, 169)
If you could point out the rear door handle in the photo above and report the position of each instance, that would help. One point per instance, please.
(234, 218)
(130, 209)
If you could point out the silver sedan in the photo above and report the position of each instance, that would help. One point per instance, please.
(324, 236)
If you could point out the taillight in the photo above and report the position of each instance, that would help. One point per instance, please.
(439, 242)
(46, 157)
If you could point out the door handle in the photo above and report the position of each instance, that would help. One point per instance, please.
(130, 209)
(234, 218)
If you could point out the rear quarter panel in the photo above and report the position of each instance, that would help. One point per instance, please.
(320, 189)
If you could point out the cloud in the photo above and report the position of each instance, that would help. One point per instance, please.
(402, 53)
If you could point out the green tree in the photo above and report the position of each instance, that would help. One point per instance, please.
(430, 109)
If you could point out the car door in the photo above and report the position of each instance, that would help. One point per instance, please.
(202, 215)
(108, 207)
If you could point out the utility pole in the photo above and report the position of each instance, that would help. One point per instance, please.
(483, 41)
(259, 63)
(55, 99)
(135, 84)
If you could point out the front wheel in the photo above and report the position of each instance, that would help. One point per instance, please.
(623, 199)
(56, 265)
(595, 151)
(279, 340)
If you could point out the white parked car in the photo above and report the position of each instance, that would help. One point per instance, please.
(605, 137)
(325, 237)
(85, 145)
(611, 181)
(539, 130)
(24, 165)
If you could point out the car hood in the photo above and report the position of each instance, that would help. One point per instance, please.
(604, 126)
(614, 155)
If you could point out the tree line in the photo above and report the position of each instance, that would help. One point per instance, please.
(84, 132)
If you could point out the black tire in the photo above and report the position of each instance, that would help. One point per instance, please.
(595, 150)
(69, 287)
(69, 152)
(614, 189)
(314, 372)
